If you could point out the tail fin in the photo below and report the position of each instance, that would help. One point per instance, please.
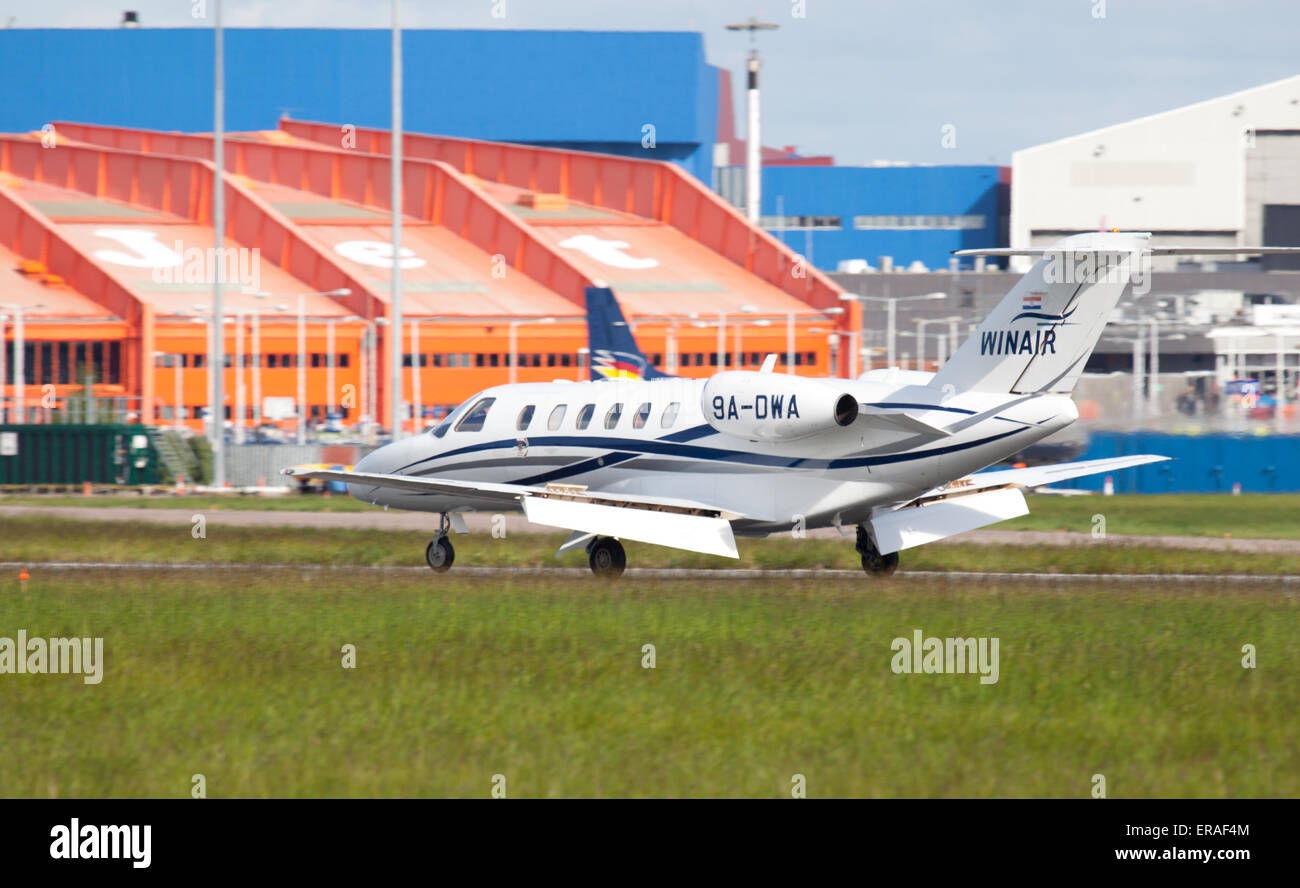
(1038, 338)
(614, 352)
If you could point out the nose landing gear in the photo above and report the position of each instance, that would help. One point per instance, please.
(606, 557)
(873, 562)
(439, 554)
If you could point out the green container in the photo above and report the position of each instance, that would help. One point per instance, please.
(73, 454)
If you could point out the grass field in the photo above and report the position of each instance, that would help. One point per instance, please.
(1266, 516)
(238, 677)
(34, 540)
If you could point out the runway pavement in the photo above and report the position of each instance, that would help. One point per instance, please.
(671, 573)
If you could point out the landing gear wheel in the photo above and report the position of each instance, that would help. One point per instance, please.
(880, 565)
(440, 554)
(873, 562)
(606, 557)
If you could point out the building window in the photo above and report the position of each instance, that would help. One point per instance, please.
(933, 223)
(800, 223)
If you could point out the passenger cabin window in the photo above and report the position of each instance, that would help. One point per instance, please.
(556, 417)
(584, 416)
(670, 415)
(613, 416)
(525, 417)
(477, 415)
(642, 414)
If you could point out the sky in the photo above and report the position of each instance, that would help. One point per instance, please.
(863, 80)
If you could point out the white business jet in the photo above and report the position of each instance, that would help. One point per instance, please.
(692, 463)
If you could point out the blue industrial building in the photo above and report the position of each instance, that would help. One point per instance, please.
(910, 213)
(1199, 464)
(588, 90)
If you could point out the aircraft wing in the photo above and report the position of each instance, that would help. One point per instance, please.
(680, 524)
(1040, 476)
(979, 500)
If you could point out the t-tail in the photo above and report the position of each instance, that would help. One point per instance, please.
(1039, 337)
(614, 352)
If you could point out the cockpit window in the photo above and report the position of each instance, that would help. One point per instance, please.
(613, 416)
(450, 419)
(584, 415)
(556, 417)
(525, 417)
(670, 415)
(477, 415)
(642, 414)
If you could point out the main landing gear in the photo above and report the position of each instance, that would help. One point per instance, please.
(606, 557)
(872, 561)
(440, 553)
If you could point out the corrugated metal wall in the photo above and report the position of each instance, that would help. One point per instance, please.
(1203, 464)
(904, 191)
(251, 464)
(599, 89)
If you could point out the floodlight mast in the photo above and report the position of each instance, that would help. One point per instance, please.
(753, 136)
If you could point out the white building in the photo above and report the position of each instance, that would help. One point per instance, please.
(1219, 173)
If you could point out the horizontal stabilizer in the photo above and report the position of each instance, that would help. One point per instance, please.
(1039, 252)
(899, 421)
(695, 533)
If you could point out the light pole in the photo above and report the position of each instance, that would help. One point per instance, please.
(417, 410)
(217, 346)
(920, 342)
(176, 387)
(20, 358)
(395, 164)
(722, 334)
(514, 343)
(891, 303)
(753, 136)
(341, 292)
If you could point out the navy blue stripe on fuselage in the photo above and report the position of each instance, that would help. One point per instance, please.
(643, 448)
(579, 468)
(904, 406)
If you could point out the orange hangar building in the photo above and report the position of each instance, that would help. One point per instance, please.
(107, 266)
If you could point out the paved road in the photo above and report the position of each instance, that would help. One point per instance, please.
(426, 522)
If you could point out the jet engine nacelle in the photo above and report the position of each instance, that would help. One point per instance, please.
(775, 406)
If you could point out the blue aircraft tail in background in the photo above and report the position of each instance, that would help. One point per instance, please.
(614, 352)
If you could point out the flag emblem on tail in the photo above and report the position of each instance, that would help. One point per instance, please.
(1031, 302)
(617, 365)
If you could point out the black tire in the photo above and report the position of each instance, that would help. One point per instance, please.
(440, 555)
(607, 558)
(880, 565)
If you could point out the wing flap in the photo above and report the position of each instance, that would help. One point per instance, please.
(695, 533)
(925, 523)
